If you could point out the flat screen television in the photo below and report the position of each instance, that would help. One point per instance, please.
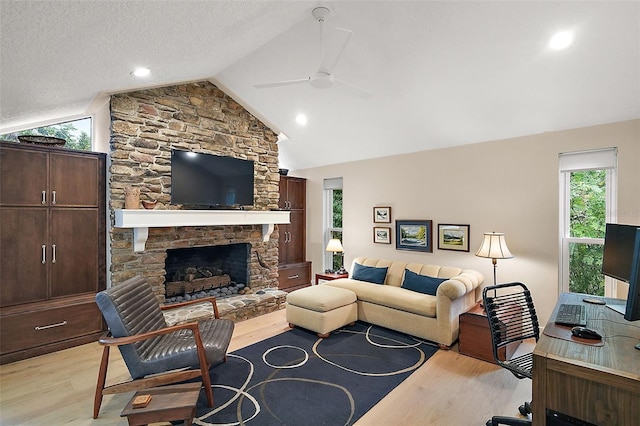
(207, 181)
(621, 260)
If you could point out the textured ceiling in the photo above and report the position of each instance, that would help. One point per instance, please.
(439, 73)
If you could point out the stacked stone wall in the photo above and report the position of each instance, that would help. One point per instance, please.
(145, 126)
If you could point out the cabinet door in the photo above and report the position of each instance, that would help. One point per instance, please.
(74, 243)
(283, 201)
(23, 274)
(296, 193)
(74, 180)
(283, 231)
(23, 177)
(295, 248)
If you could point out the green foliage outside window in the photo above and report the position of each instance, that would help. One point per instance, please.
(76, 139)
(337, 259)
(587, 220)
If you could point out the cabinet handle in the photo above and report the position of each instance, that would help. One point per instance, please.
(289, 237)
(44, 327)
(53, 253)
(44, 254)
(293, 277)
(44, 197)
(53, 200)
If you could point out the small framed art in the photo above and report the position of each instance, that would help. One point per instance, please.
(415, 235)
(382, 215)
(453, 237)
(381, 235)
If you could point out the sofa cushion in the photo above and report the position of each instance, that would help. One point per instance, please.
(421, 283)
(390, 296)
(369, 273)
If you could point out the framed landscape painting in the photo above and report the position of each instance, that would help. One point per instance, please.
(414, 235)
(453, 237)
(381, 235)
(382, 215)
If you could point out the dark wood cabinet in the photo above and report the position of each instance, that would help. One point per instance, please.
(294, 270)
(52, 248)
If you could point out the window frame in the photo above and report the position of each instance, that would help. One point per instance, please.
(600, 159)
(329, 185)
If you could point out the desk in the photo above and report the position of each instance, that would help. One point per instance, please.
(599, 385)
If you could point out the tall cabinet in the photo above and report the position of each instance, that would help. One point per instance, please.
(52, 248)
(294, 270)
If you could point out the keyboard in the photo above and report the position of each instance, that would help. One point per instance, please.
(571, 315)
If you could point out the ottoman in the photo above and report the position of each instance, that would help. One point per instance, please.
(321, 308)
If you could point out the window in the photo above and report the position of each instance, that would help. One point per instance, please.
(77, 133)
(333, 220)
(587, 192)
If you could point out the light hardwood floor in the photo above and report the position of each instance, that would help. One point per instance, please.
(449, 390)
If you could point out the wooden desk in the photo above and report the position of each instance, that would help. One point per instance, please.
(599, 385)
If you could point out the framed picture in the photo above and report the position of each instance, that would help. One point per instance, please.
(453, 237)
(414, 235)
(381, 235)
(382, 215)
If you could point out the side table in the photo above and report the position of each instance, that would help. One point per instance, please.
(474, 338)
(329, 277)
(176, 402)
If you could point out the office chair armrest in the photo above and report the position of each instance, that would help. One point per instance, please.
(108, 340)
(213, 301)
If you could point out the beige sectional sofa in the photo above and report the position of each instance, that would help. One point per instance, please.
(433, 318)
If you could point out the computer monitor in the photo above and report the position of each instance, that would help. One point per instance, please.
(621, 260)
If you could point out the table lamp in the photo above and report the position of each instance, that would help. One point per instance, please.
(335, 246)
(494, 247)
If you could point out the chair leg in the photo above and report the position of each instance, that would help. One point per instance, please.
(102, 379)
(206, 382)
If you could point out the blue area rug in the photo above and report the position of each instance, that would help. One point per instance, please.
(295, 378)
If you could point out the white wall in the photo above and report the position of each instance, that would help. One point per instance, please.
(508, 186)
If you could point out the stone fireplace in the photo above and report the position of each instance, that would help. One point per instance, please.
(145, 127)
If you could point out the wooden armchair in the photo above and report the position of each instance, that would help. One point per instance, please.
(149, 346)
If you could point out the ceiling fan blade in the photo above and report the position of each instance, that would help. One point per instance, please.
(329, 62)
(281, 83)
(360, 92)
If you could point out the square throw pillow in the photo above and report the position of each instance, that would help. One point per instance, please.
(421, 283)
(369, 273)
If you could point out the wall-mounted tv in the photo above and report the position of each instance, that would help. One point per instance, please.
(206, 181)
(621, 260)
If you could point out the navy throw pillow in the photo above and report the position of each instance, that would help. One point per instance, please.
(369, 273)
(421, 283)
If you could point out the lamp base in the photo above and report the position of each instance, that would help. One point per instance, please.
(341, 271)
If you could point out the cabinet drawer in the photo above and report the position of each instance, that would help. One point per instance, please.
(294, 275)
(36, 328)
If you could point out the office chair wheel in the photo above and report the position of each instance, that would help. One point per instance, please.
(525, 409)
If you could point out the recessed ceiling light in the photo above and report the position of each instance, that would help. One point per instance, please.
(561, 40)
(301, 119)
(141, 72)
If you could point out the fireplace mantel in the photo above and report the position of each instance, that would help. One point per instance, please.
(141, 220)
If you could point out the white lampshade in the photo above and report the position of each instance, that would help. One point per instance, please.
(334, 245)
(494, 246)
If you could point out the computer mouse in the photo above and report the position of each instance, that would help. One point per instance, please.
(586, 333)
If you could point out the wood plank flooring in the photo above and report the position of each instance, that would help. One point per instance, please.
(449, 390)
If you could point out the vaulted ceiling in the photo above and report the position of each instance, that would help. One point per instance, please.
(437, 73)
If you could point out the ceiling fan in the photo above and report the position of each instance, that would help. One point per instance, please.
(323, 78)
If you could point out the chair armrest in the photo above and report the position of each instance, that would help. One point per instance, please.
(213, 301)
(106, 340)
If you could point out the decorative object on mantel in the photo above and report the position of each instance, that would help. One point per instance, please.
(41, 140)
(494, 247)
(131, 198)
(283, 172)
(149, 205)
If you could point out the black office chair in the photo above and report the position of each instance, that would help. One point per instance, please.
(512, 318)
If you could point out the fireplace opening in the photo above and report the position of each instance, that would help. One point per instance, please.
(197, 272)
